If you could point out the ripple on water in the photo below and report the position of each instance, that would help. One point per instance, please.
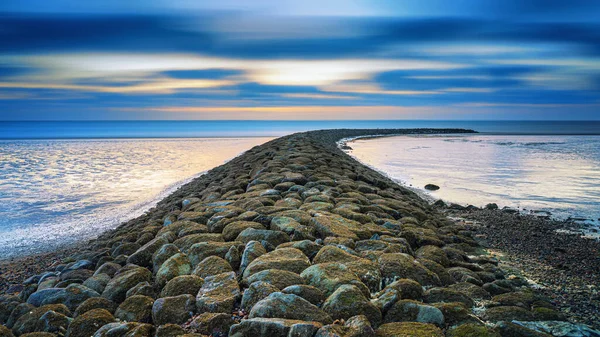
(55, 192)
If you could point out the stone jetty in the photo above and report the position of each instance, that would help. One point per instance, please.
(292, 238)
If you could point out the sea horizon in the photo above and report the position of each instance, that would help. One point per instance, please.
(148, 129)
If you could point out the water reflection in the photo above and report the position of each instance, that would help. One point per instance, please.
(556, 173)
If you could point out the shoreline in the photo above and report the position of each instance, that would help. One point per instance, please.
(332, 200)
(586, 227)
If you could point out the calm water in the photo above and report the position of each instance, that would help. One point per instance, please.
(162, 129)
(560, 174)
(57, 191)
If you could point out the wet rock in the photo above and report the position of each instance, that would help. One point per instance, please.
(117, 287)
(329, 276)
(399, 265)
(412, 311)
(71, 296)
(169, 330)
(97, 282)
(309, 293)
(432, 187)
(274, 327)
(176, 265)
(409, 329)
(136, 308)
(174, 310)
(252, 250)
(95, 303)
(210, 323)
(181, 285)
(27, 321)
(506, 313)
(515, 330)
(143, 256)
(276, 277)
(129, 329)
(289, 259)
(163, 254)
(434, 295)
(108, 268)
(212, 265)
(255, 293)
(556, 328)
(200, 251)
(5, 332)
(219, 293)
(347, 301)
(142, 288)
(89, 322)
(53, 322)
(232, 230)
(289, 306)
(471, 329)
(366, 270)
(433, 253)
(274, 238)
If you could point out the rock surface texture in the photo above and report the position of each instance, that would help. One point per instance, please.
(292, 238)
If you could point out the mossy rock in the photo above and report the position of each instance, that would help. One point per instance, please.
(5, 332)
(212, 265)
(27, 322)
(212, 324)
(116, 289)
(413, 311)
(255, 293)
(89, 322)
(137, 308)
(507, 313)
(176, 265)
(169, 330)
(219, 293)
(347, 301)
(53, 322)
(173, 310)
(329, 276)
(278, 278)
(522, 299)
(289, 306)
(434, 295)
(547, 314)
(454, 312)
(471, 330)
(309, 293)
(274, 327)
(180, 285)
(95, 303)
(290, 259)
(399, 265)
(433, 253)
(409, 329)
(232, 230)
(129, 329)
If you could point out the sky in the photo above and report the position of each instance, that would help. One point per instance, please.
(310, 59)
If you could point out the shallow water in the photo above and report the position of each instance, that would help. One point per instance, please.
(559, 174)
(54, 192)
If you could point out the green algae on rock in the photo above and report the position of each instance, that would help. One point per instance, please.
(280, 241)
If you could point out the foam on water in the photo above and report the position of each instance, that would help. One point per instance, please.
(55, 192)
(557, 174)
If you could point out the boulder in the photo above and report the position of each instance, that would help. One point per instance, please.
(309, 293)
(212, 265)
(394, 266)
(290, 259)
(53, 322)
(366, 270)
(252, 250)
(329, 276)
(274, 327)
(180, 285)
(412, 311)
(176, 265)
(232, 230)
(347, 301)
(276, 277)
(117, 287)
(409, 329)
(95, 303)
(27, 321)
(219, 293)
(289, 306)
(471, 329)
(137, 308)
(211, 323)
(71, 296)
(89, 322)
(143, 256)
(256, 292)
(174, 310)
(274, 238)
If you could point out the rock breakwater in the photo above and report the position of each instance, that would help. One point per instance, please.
(293, 238)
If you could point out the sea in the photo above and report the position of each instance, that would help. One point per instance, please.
(64, 181)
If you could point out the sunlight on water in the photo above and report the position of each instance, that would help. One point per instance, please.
(560, 174)
(58, 191)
